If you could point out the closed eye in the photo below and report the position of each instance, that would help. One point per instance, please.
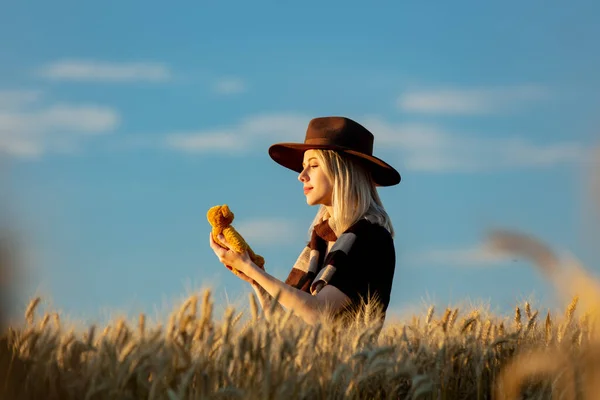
(311, 166)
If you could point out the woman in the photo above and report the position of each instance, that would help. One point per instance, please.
(350, 258)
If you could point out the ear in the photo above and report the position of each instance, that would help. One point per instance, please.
(226, 212)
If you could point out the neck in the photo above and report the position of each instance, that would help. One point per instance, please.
(330, 213)
(329, 210)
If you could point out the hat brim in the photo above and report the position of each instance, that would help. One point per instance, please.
(291, 155)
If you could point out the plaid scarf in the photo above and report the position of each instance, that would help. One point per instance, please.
(312, 270)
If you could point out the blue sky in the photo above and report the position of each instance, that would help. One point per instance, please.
(121, 124)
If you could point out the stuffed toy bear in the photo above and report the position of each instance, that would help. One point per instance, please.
(220, 218)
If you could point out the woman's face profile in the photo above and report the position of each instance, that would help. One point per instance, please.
(317, 186)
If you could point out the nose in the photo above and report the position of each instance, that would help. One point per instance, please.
(302, 177)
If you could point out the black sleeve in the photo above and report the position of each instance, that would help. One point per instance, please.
(368, 269)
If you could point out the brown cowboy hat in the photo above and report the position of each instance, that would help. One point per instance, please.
(340, 134)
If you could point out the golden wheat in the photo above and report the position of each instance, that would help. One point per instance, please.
(198, 357)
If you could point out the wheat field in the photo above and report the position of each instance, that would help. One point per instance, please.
(445, 354)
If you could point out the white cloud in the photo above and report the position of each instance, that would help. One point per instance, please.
(83, 119)
(474, 256)
(31, 131)
(227, 86)
(591, 193)
(285, 126)
(248, 134)
(470, 155)
(22, 148)
(415, 147)
(205, 142)
(470, 100)
(428, 148)
(10, 99)
(268, 231)
(99, 71)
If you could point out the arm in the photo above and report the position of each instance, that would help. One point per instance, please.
(306, 306)
(265, 300)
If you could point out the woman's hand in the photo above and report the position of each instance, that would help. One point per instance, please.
(237, 263)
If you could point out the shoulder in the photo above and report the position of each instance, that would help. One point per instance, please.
(369, 231)
(366, 242)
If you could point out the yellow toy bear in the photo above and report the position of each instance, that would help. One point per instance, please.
(220, 218)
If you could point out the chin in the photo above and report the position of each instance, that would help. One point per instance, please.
(311, 202)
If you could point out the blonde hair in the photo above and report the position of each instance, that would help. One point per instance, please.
(354, 193)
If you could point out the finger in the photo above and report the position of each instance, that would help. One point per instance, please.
(223, 244)
(216, 246)
(219, 251)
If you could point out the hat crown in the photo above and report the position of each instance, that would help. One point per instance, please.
(339, 131)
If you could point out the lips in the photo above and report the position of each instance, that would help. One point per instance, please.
(307, 189)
